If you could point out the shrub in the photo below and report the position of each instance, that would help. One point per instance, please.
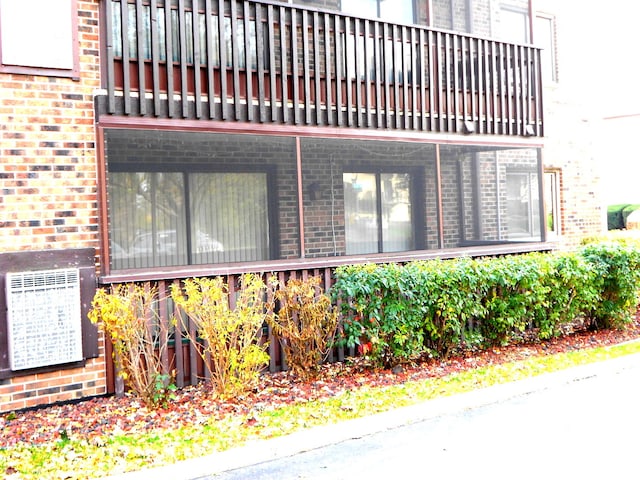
(305, 324)
(127, 315)
(512, 287)
(446, 296)
(226, 338)
(617, 276)
(395, 313)
(568, 292)
(617, 215)
(376, 302)
(615, 220)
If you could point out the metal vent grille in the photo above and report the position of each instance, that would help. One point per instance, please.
(43, 318)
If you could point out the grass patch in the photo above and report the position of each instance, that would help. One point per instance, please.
(78, 458)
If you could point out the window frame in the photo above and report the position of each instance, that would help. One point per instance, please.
(273, 235)
(553, 189)
(72, 73)
(514, 10)
(552, 59)
(533, 231)
(413, 11)
(416, 195)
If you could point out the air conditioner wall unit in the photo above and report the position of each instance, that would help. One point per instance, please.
(43, 318)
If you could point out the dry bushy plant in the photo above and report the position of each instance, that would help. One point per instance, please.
(226, 338)
(127, 315)
(305, 324)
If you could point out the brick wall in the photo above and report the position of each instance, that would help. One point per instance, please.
(572, 128)
(48, 186)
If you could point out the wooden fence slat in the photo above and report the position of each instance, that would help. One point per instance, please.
(260, 52)
(184, 86)
(178, 351)
(284, 77)
(316, 67)
(126, 57)
(248, 61)
(141, 57)
(338, 68)
(306, 67)
(294, 67)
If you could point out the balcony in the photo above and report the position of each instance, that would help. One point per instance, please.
(268, 62)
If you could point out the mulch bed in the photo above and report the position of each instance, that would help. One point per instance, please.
(91, 419)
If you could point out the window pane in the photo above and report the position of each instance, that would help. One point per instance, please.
(147, 215)
(400, 11)
(229, 218)
(523, 212)
(361, 219)
(397, 231)
(544, 39)
(551, 203)
(514, 25)
(360, 8)
(489, 195)
(50, 21)
(206, 196)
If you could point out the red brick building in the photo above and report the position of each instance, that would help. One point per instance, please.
(151, 142)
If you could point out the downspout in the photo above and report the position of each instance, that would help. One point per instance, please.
(300, 197)
(439, 198)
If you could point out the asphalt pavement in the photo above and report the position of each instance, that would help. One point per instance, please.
(247, 461)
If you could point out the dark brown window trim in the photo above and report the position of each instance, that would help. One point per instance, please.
(124, 276)
(215, 126)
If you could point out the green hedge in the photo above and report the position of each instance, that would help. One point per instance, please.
(395, 313)
(617, 215)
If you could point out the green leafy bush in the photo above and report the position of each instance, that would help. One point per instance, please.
(617, 215)
(513, 286)
(615, 220)
(395, 313)
(569, 292)
(616, 281)
(446, 297)
(376, 302)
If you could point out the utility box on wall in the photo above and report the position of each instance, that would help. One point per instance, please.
(44, 325)
(44, 300)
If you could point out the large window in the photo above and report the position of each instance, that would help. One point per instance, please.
(399, 11)
(178, 198)
(185, 218)
(378, 214)
(189, 198)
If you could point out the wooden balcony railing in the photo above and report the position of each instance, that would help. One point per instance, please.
(273, 62)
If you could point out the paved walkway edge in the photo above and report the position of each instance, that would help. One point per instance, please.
(265, 450)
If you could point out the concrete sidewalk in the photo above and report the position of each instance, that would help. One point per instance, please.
(313, 438)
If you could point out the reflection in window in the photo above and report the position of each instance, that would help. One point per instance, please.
(377, 212)
(545, 39)
(552, 203)
(144, 34)
(523, 205)
(395, 11)
(514, 25)
(151, 226)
